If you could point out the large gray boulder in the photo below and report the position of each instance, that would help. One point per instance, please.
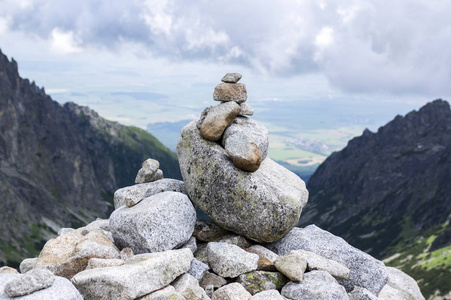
(317, 285)
(139, 276)
(263, 206)
(61, 286)
(161, 222)
(365, 270)
(400, 286)
(256, 131)
(132, 195)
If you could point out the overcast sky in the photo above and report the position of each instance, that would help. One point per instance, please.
(390, 52)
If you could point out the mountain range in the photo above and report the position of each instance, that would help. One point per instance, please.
(389, 194)
(60, 164)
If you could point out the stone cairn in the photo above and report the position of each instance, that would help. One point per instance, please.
(152, 247)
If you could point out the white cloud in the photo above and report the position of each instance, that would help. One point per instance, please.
(3, 26)
(64, 42)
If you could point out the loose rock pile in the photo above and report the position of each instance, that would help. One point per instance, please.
(152, 247)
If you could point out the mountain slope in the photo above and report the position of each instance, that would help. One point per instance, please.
(390, 191)
(60, 165)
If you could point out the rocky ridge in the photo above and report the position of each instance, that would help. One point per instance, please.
(154, 248)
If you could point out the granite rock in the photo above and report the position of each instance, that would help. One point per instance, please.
(232, 291)
(266, 257)
(161, 222)
(189, 287)
(207, 231)
(165, 293)
(292, 266)
(246, 110)
(27, 264)
(257, 281)
(212, 279)
(226, 92)
(360, 293)
(198, 269)
(147, 172)
(103, 263)
(217, 119)
(229, 260)
(243, 152)
(317, 262)
(268, 295)
(262, 206)
(34, 280)
(8, 270)
(400, 285)
(231, 77)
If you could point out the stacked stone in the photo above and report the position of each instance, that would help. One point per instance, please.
(245, 141)
(149, 171)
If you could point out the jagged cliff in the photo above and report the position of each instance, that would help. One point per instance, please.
(389, 192)
(60, 164)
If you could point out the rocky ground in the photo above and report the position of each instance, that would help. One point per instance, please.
(153, 247)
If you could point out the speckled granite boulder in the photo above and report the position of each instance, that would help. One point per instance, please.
(262, 206)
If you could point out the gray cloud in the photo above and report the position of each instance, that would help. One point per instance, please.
(398, 47)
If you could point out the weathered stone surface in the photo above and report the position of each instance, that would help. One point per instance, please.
(198, 269)
(360, 293)
(317, 285)
(243, 152)
(147, 172)
(102, 224)
(211, 279)
(256, 131)
(236, 240)
(161, 222)
(139, 276)
(400, 286)
(207, 231)
(30, 282)
(232, 291)
(231, 77)
(8, 270)
(189, 287)
(229, 260)
(68, 254)
(235, 92)
(103, 263)
(127, 253)
(61, 286)
(203, 114)
(27, 264)
(292, 266)
(257, 281)
(246, 110)
(167, 293)
(217, 120)
(365, 270)
(262, 206)
(266, 257)
(317, 262)
(190, 244)
(131, 195)
(201, 253)
(267, 295)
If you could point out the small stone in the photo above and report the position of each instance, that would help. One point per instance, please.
(140, 275)
(61, 286)
(207, 231)
(246, 110)
(226, 92)
(63, 231)
(317, 262)
(232, 291)
(190, 244)
(132, 195)
(27, 264)
(266, 257)
(243, 152)
(267, 295)
(103, 263)
(236, 240)
(30, 282)
(8, 270)
(189, 287)
(198, 269)
(360, 293)
(257, 281)
(201, 253)
(161, 222)
(209, 290)
(217, 120)
(317, 285)
(212, 279)
(147, 172)
(231, 77)
(292, 266)
(126, 253)
(229, 260)
(167, 293)
(102, 224)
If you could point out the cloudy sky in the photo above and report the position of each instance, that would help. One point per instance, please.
(145, 61)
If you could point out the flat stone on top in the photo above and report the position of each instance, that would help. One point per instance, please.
(231, 77)
(230, 92)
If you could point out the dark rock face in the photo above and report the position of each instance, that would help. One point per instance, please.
(387, 184)
(60, 165)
